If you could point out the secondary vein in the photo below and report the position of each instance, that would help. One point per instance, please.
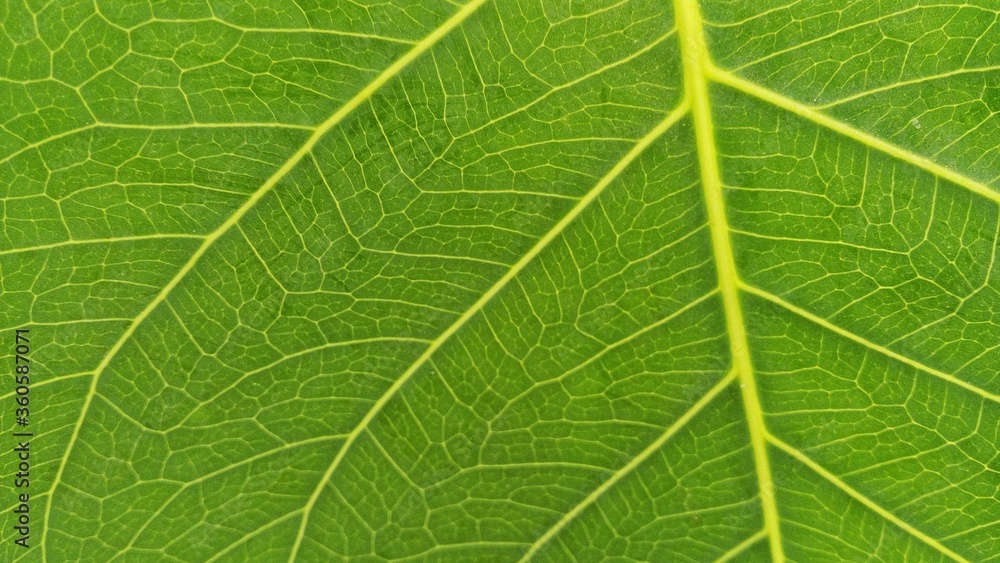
(632, 464)
(212, 237)
(820, 118)
(856, 495)
(559, 227)
(826, 324)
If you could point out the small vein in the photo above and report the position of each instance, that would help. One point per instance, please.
(279, 450)
(904, 83)
(114, 240)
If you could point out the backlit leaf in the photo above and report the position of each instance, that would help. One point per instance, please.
(538, 280)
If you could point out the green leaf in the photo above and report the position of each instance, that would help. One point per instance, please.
(501, 281)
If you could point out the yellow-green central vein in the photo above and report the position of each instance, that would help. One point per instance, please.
(695, 59)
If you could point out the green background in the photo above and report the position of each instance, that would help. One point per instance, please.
(384, 280)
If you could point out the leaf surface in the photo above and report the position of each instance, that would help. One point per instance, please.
(505, 281)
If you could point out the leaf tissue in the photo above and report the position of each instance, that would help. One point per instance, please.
(508, 280)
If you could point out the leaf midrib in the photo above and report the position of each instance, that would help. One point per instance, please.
(694, 52)
(699, 70)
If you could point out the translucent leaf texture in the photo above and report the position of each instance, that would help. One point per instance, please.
(535, 279)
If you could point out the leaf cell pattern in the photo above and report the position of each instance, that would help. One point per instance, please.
(506, 281)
